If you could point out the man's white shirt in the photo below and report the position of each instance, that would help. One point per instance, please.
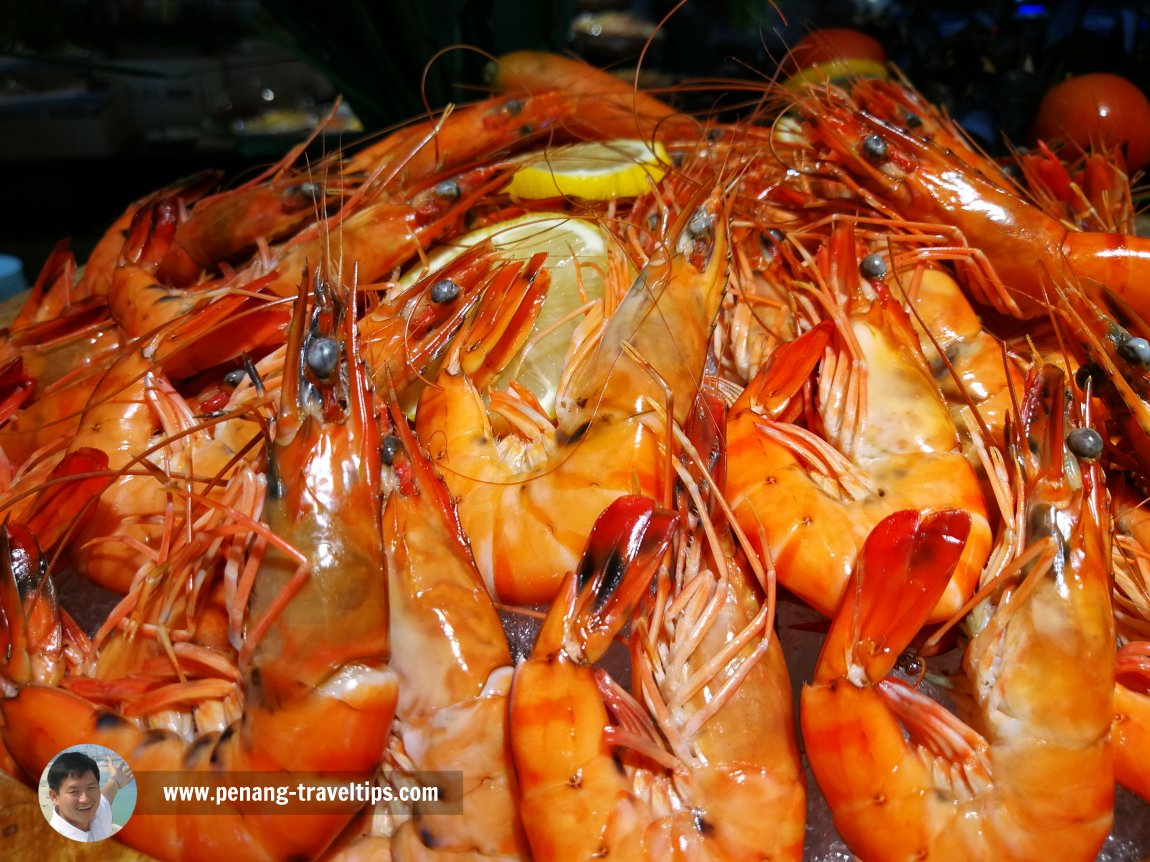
(101, 827)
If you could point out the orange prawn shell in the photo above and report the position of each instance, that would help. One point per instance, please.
(324, 499)
(815, 555)
(611, 439)
(563, 496)
(810, 528)
(604, 106)
(580, 785)
(1132, 739)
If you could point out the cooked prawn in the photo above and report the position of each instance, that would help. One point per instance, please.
(453, 665)
(808, 503)
(610, 439)
(317, 646)
(711, 673)
(575, 801)
(1032, 253)
(1033, 779)
(602, 106)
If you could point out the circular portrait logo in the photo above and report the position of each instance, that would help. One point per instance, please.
(87, 792)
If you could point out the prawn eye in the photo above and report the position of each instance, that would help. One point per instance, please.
(389, 448)
(235, 377)
(448, 189)
(1042, 522)
(874, 148)
(701, 224)
(910, 664)
(445, 290)
(1135, 350)
(322, 356)
(1085, 443)
(770, 241)
(1090, 372)
(309, 191)
(873, 266)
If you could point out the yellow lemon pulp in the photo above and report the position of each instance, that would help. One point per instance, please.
(576, 257)
(598, 170)
(838, 72)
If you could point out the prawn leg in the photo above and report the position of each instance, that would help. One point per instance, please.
(710, 671)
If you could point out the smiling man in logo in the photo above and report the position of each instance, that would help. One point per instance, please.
(83, 809)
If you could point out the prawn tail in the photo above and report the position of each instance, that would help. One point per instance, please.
(66, 500)
(35, 635)
(1132, 718)
(626, 546)
(16, 387)
(152, 232)
(31, 630)
(221, 330)
(52, 292)
(902, 571)
(772, 391)
(98, 275)
(511, 305)
(402, 339)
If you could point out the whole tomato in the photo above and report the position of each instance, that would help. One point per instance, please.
(1098, 108)
(834, 54)
(835, 44)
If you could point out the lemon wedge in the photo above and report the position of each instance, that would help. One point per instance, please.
(576, 257)
(597, 170)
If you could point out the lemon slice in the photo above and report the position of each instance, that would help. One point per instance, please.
(838, 72)
(576, 256)
(598, 171)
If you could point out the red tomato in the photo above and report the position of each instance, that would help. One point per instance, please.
(833, 43)
(1098, 108)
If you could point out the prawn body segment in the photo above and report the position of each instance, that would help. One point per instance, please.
(1132, 718)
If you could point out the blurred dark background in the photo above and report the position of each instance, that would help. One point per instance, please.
(102, 101)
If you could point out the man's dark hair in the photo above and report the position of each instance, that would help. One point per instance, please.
(70, 764)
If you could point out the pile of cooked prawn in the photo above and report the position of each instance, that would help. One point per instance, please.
(306, 430)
